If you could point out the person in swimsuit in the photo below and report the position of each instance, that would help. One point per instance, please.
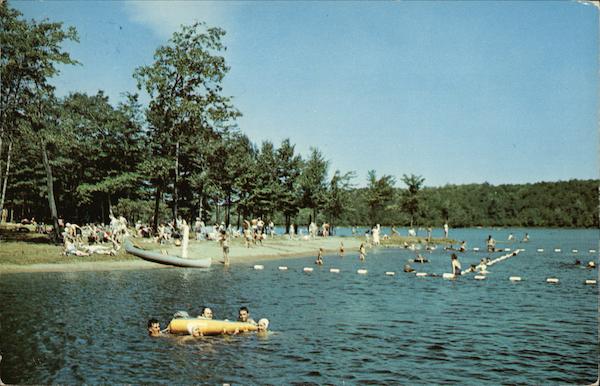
(456, 269)
(319, 260)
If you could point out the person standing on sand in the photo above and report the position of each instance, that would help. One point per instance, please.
(224, 241)
(291, 231)
(247, 233)
(375, 232)
(272, 228)
(185, 235)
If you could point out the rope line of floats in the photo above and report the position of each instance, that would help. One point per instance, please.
(362, 271)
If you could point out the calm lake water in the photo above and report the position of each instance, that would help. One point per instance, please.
(327, 328)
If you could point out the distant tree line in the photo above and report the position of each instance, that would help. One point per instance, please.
(183, 155)
(570, 204)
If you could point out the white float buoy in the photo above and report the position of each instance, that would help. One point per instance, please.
(476, 249)
(557, 250)
(448, 275)
(575, 251)
(258, 267)
(362, 271)
(421, 274)
(506, 249)
(390, 273)
(592, 251)
(515, 278)
(552, 280)
(540, 250)
(282, 268)
(479, 277)
(590, 281)
(334, 270)
(308, 269)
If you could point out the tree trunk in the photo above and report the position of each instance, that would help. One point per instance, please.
(5, 176)
(287, 224)
(0, 156)
(228, 213)
(156, 207)
(175, 196)
(238, 219)
(218, 211)
(50, 183)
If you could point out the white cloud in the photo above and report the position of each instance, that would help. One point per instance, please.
(165, 17)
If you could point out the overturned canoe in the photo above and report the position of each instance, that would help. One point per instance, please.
(159, 258)
(208, 326)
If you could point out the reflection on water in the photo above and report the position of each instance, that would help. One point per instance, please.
(90, 327)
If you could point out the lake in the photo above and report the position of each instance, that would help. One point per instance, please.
(326, 328)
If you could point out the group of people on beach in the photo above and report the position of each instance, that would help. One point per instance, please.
(155, 330)
(92, 238)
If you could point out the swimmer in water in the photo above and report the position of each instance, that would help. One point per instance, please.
(591, 265)
(362, 252)
(206, 313)
(263, 325)
(244, 315)
(154, 328)
(456, 269)
(319, 260)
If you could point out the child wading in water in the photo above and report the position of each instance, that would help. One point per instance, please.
(362, 252)
(341, 248)
(319, 257)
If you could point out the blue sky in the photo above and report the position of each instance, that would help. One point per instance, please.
(458, 92)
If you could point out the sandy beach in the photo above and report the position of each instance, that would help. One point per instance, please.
(277, 248)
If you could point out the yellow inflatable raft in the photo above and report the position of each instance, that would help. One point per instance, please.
(208, 326)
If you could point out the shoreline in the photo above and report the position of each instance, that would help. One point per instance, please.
(272, 249)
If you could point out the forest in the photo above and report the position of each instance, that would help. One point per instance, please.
(182, 154)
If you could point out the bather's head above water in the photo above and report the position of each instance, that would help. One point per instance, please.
(153, 327)
(263, 324)
(207, 313)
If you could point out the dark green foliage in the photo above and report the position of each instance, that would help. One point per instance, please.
(312, 182)
(379, 195)
(571, 203)
(410, 197)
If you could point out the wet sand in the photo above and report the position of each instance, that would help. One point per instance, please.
(272, 249)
